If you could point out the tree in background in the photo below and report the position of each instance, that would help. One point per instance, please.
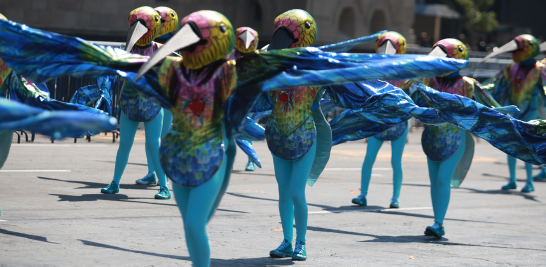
(477, 16)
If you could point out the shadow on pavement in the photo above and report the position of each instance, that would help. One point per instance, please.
(128, 163)
(252, 173)
(88, 185)
(356, 208)
(100, 245)
(409, 239)
(262, 261)
(118, 197)
(503, 192)
(33, 237)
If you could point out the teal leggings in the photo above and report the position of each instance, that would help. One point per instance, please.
(197, 204)
(167, 122)
(372, 149)
(128, 130)
(532, 115)
(291, 178)
(440, 174)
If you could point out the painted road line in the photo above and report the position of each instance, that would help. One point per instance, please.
(35, 170)
(355, 169)
(3, 221)
(59, 145)
(369, 210)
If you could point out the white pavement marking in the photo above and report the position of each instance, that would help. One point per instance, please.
(354, 169)
(59, 145)
(3, 221)
(369, 210)
(35, 170)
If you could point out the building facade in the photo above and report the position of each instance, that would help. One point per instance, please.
(106, 20)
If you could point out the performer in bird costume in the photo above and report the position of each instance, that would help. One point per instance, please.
(387, 43)
(449, 149)
(246, 42)
(209, 95)
(169, 24)
(145, 25)
(520, 84)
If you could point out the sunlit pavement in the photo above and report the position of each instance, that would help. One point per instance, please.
(54, 214)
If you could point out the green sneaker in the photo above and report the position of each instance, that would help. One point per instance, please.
(250, 166)
(360, 200)
(300, 253)
(283, 251)
(163, 193)
(394, 203)
(112, 188)
(509, 185)
(528, 188)
(149, 179)
(436, 230)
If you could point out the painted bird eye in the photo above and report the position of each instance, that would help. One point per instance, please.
(461, 49)
(530, 42)
(223, 27)
(403, 42)
(156, 18)
(172, 14)
(307, 25)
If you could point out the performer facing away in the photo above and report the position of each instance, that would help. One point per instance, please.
(387, 43)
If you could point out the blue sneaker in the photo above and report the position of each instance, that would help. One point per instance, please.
(394, 203)
(163, 193)
(300, 253)
(112, 188)
(360, 200)
(437, 230)
(283, 251)
(528, 188)
(509, 185)
(149, 179)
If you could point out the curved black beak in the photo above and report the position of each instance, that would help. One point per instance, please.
(282, 38)
(188, 35)
(137, 30)
(511, 46)
(387, 48)
(247, 38)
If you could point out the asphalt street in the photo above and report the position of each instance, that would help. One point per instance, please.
(53, 213)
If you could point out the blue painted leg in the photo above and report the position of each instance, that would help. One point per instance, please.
(398, 146)
(128, 130)
(196, 204)
(291, 179)
(440, 174)
(372, 149)
(512, 168)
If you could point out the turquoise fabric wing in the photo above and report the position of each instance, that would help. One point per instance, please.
(41, 55)
(523, 140)
(57, 124)
(309, 66)
(348, 45)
